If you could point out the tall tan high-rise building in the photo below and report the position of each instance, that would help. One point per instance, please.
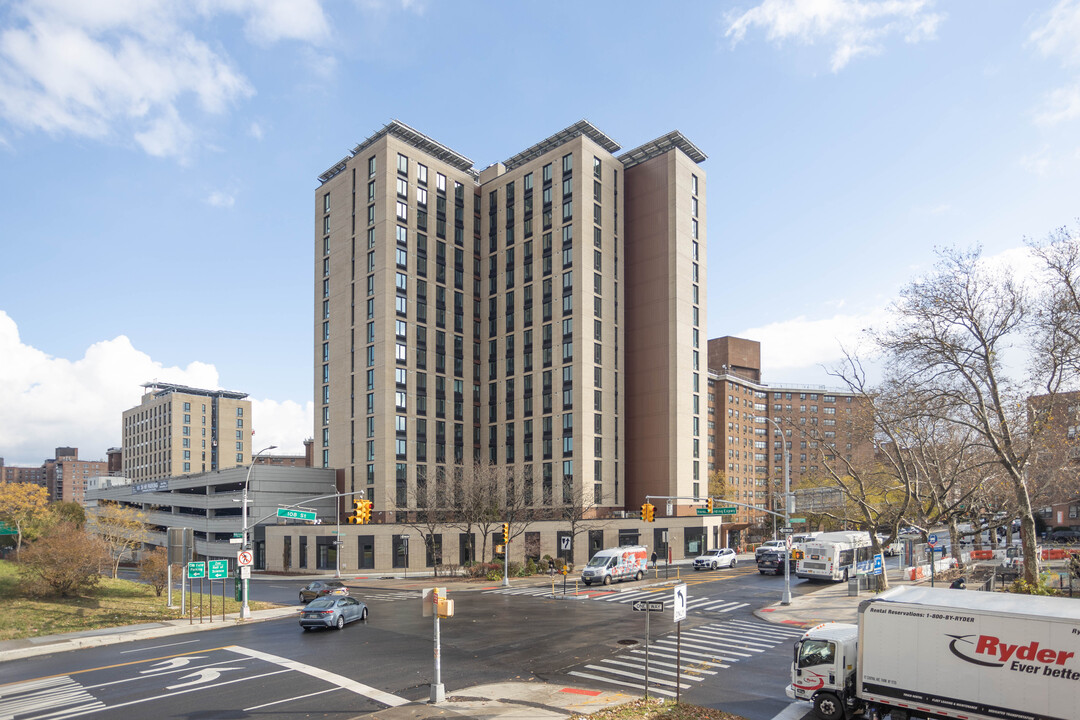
(179, 430)
(470, 319)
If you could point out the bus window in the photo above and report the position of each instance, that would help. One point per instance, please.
(846, 557)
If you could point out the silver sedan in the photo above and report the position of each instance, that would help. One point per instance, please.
(329, 611)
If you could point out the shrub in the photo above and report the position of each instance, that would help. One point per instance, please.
(65, 560)
(530, 567)
(154, 569)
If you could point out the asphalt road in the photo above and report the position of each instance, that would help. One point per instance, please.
(737, 662)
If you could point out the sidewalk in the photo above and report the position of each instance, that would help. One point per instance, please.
(501, 701)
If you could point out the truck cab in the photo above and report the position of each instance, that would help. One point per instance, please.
(823, 669)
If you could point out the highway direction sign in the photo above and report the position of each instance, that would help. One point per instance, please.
(196, 570)
(219, 569)
(648, 606)
(296, 514)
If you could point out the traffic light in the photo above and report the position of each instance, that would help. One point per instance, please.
(506, 533)
(365, 512)
(709, 505)
(357, 513)
(648, 512)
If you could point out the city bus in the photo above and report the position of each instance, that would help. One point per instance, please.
(836, 555)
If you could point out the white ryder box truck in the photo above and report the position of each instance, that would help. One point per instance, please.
(938, 653)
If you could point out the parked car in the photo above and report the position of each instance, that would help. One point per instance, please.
(771, 562)
(713, 559)
(767, 546)
(1064, 536)
(332, 611)
(322, 587)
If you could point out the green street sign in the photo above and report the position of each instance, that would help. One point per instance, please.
(798, 520)
(6, 529)
(717, 511)
(196, 570)
(238, 535)
(296, 514)
(219, 569)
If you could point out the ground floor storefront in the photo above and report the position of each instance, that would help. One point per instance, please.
(403, 547)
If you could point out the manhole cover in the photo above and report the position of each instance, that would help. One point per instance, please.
(627, 642)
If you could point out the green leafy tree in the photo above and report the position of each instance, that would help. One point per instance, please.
(25, 507)
(121, 527)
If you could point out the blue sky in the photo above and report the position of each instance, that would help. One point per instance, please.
(158, 162)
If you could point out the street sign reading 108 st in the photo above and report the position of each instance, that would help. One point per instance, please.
(296, 514)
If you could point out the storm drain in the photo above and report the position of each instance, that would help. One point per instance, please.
(628, 642)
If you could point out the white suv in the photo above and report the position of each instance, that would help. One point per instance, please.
(713, 559)
(767, 546)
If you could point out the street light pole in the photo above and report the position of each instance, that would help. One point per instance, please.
(245, 610)
(785, 599)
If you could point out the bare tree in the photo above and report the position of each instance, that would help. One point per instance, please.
(579, 510)
(1057, 337)
(952, 331)
(474, 501)
(428, 511)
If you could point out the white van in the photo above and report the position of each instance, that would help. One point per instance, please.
(621, 563)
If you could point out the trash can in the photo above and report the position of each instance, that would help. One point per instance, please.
(853, 586)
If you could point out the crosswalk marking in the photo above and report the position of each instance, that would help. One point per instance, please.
(702, 653)
(62, 695)
(703, 604)
(390, 595)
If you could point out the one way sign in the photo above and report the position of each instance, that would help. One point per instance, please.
(648, 606)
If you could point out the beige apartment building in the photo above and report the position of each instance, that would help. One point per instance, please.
(540, 319)
(178, 430)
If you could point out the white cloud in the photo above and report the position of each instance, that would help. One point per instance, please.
(256, 131)
(51, 402)
(1059, 38)
(133, 69)
(791, 348)
(1060, 105)
(852, 27)
(221, 199)
(1038, 162)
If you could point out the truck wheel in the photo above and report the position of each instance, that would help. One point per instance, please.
(607, 579)
(828, 707)
(639, 575)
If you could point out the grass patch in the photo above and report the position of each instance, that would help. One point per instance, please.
(655, 709)
(111, 604)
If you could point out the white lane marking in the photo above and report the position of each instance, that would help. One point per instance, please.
(652, 669)
(202, 676)
(171, 664)
(794, 711)
(613, 681)
(298, 697)
(341, 681)
(638, 676)
(155, 647)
